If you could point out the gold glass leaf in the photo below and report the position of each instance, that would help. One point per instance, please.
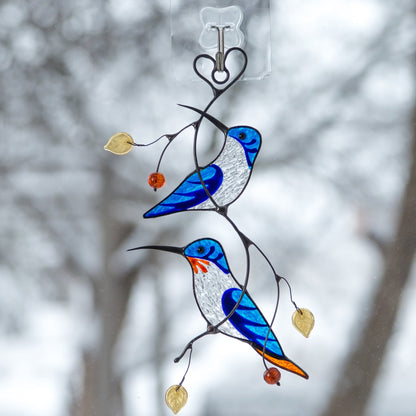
(119, 144)
(176, 398)
(303, 321)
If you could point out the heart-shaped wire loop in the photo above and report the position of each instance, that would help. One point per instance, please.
(220, 77)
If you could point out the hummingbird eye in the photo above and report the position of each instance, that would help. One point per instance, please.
(242, 136)
(200, 249)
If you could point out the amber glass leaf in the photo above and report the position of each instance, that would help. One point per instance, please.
(303, 321)
(119, 144)
(176, 398)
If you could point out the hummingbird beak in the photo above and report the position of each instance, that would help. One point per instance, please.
(213, 120)
(176, 250)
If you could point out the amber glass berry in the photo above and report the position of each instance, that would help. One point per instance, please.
(272, 375)
(156, 180)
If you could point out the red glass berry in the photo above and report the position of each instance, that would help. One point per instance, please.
(156, 180)
(272, 375)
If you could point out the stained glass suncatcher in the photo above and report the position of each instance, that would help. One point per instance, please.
(223, 301)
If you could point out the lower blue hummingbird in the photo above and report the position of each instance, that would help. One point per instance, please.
(217, 294)
(223, 180)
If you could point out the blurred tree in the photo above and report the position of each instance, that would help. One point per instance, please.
(363, 363)
(70, 72)
(55, 172)
(344, 127)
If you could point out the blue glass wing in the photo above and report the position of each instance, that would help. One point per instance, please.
(249, 321)
(189, 193)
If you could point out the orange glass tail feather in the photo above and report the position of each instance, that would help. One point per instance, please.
(285, 364)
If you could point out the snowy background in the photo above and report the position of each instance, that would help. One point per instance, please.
(89, 329)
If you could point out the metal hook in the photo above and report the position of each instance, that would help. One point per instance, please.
(219, 56)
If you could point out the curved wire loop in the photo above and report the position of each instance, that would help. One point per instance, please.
(214, 81)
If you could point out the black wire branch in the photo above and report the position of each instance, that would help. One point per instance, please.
(218, 88)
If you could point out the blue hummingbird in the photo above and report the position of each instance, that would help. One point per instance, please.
(225, 178)
(217, 294)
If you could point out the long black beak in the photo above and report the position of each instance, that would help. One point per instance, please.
(177, 250)
(213, 120)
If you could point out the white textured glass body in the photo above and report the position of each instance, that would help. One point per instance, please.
(209, 288)
(233, 163)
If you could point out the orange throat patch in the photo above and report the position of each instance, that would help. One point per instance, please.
(198, 264)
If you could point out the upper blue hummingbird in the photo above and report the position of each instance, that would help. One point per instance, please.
(217, 293)
(225, 178)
